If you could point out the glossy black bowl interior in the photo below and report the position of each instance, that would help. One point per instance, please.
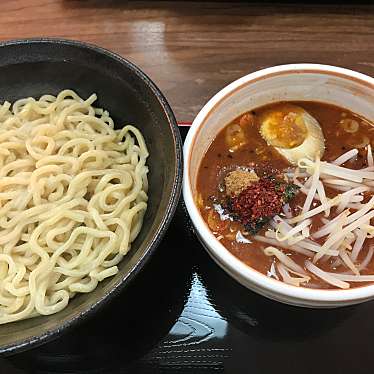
(36, 67)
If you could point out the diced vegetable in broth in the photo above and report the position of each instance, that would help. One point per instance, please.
(235, 137)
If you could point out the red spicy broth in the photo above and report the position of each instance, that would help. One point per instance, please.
(247, 148)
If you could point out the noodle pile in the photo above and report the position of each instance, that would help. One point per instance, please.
(73, 193)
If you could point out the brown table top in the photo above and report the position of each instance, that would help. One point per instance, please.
(193, 49)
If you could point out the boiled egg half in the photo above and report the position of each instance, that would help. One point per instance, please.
(293, 132)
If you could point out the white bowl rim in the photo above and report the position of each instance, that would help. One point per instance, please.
(217, 250)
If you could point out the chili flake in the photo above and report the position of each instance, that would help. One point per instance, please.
(260, 201)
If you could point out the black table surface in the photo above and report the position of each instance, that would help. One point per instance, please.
(183, 314)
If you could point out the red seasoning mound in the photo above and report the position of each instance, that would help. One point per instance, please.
(260, 201)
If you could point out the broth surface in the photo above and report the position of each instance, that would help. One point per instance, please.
(254, 152)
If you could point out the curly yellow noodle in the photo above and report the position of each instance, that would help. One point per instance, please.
(73, 193)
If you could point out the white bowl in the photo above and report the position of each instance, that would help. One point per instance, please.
(311, 82)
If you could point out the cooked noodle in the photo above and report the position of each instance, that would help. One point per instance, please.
(73, 193)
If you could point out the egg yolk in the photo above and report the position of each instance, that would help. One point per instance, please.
(284, 127)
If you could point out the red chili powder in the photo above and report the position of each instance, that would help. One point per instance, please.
(259, 200)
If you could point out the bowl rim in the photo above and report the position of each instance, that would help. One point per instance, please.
(223, 256)
(36, 340)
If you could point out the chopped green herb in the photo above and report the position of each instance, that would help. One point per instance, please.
(290, 191)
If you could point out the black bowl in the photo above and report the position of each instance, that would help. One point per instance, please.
(40, 66)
